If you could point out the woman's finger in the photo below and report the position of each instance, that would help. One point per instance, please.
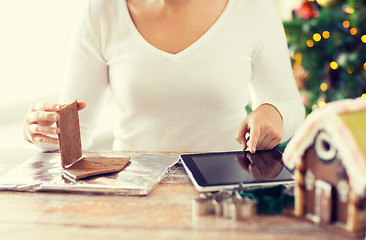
(81, 105)
(43, 139)
(255, 137)
(52, 107)
(37, 129)
(241, 134)
(36, 116)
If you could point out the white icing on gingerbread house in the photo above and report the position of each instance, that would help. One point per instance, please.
(344, 123)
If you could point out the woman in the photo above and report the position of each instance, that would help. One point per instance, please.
(181, 72)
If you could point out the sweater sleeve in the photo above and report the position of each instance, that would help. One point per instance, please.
(86, 77)
(87, 71)
(272, 79)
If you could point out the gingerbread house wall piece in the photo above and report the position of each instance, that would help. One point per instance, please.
(329, 156)
(74, 165)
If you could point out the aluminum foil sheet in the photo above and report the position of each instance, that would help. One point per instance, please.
(44, 173)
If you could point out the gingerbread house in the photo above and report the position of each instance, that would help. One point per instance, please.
(328, 154)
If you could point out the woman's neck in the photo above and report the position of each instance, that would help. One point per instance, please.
(174, 6)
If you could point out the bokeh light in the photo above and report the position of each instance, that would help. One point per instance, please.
(346, 24)
(349, 10)
(324, 87)
(363, 38)
(317, 37)
(333, 65)
(353, 31)
(322, 104)
(309, 43)
(326, 34)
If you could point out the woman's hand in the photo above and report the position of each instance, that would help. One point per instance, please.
(261, 129)
(40, 120)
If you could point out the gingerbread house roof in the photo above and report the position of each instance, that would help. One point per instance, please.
(345, 122)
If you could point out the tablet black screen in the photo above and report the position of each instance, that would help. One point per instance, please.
(240, 167)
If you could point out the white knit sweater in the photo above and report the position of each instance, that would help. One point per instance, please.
(190, 101)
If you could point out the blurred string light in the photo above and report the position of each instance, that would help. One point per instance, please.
(346, 24)
(364, 66)
(363, 38)
(297, 56)
(322, 104)
(317, 37)
(326, 35)
(363, 95)
(324, 87)
(350, 71)
(310, 43)
(333, 65)
(353, 31)
(349, 10)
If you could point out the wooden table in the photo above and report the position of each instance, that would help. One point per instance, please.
(165, 214)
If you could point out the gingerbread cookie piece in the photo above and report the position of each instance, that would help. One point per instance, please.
(72, 162)
(90, 166)
(69, 136)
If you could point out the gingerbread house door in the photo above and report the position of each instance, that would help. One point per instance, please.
(323, 201)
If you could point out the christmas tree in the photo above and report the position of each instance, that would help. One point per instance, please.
(327, 39)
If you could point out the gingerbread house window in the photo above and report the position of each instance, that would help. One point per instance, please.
(324, 149)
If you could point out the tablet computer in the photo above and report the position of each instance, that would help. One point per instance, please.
(224, 170)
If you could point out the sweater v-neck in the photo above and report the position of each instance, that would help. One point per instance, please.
(186, 50)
